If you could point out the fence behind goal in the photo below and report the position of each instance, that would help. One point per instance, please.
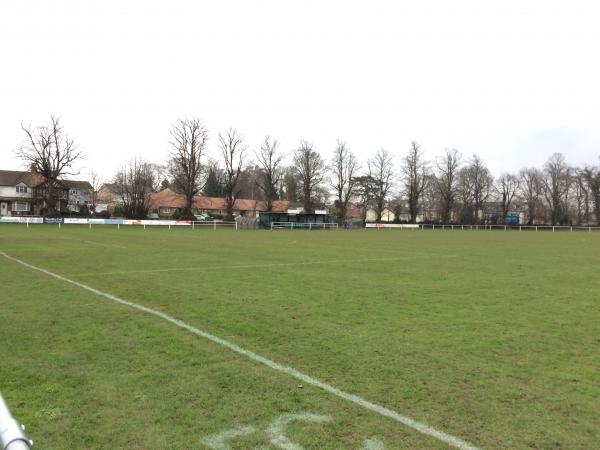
(304, 226)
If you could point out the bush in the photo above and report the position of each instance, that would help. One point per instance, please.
(84, 211)
(176, 214)
(119, 211)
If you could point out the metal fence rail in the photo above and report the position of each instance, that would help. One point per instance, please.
(304, 226)
(550, 228)
(12, 434)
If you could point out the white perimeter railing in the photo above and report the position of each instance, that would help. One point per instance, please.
(214, 224)
(482, 227)
(304, 226)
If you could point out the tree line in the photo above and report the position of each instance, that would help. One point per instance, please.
(447, 189)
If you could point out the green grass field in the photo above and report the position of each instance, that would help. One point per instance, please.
(489, 336)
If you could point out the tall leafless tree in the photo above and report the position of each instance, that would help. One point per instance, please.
(414, 173)
(96, 183)
(556, 182)
(475, 182)
(233, 152)
(581, 198)
(269, 157)
(52, 153)
(446, 181)
(482, 184)
(188, 142)
(344, 166)
(381, 169)
(134, 184)
(507, 186)
(310, 168)
(530, 189)
(592, 178)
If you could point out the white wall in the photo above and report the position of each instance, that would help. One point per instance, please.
(11, 191)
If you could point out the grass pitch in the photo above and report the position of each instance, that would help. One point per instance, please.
(490, 336)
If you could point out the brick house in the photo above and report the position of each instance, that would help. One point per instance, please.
(165, 202)
(22, 193)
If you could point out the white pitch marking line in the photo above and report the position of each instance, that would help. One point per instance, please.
(219, 441)
(249, 266)
(276, 430)
(381, 410)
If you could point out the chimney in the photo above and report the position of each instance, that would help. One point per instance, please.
(33, 168)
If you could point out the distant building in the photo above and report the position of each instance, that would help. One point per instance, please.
(22, 193)
(165, 202)
(108, 198)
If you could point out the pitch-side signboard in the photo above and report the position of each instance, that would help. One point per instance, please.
(391, 225)
(156, 222)
(16, 219)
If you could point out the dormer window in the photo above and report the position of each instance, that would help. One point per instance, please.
(21, 189)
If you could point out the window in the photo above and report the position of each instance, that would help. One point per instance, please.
(74, 192)
(165, 210)
(21, 206)
(21, 189)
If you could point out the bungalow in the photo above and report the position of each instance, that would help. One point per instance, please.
(165, 202)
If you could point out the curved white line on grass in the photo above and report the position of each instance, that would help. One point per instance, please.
(373, 444)
(219, 441)
(381, 410)
(276, 430)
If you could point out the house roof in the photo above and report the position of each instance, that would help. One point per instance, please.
(112, 187)
(14, 177)
(169, 199)
(77, 184)
(30, 179)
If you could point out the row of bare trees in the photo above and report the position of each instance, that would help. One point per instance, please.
(446, 189)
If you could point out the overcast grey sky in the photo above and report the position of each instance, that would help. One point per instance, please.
(513, 81)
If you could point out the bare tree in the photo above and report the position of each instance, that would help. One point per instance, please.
(446, 182)
(188, 142)
(507, 187)
(52, 153)
(310, 168)
(592, 178)
(482, 184)
(530, 188)
(96, 183)
(343, 168)
(160, 176)
(415, 178)
(134, 184)
(475, 182)
(581, 198)
(556, 181)
(465, 189)
(233, 152)
(380, 170)
(269, 159)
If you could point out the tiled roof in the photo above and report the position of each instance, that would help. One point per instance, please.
(77, 184)
(14, 177)
(169, 199)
